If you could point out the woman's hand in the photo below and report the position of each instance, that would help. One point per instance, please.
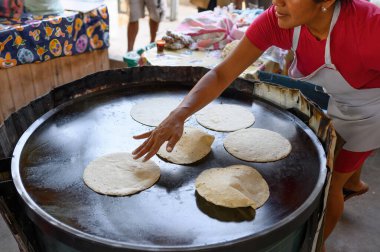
(207, 89)
(171, 129)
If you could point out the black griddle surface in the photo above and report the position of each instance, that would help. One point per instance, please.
(53, 153)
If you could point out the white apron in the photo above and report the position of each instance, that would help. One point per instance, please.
(355, 113)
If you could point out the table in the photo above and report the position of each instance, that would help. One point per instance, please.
(208, 59)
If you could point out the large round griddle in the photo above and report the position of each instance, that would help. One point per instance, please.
(50, 157)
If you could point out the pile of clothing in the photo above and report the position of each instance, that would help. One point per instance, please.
(211, 30)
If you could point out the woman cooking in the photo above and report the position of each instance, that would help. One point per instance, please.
(336, 46)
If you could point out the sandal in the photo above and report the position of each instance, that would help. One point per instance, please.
(349, 193)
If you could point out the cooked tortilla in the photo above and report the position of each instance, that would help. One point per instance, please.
(233, 186)
(257, 145)
(194, 145)
(225, 117)
(119, 174)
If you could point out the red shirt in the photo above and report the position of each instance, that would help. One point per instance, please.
(355, 43)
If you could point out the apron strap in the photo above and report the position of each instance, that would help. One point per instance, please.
(332, 24)
(296, 36)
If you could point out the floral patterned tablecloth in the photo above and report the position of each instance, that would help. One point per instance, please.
(34, 39)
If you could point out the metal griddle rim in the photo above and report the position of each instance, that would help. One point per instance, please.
(40, 214)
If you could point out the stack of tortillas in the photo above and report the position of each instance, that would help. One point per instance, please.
(225, 117)
(229, 48)
(257, 145)
(233, 186)
(153, 111)
(192, 146)
(119, 174)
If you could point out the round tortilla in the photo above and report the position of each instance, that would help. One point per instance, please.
(153, 111)
(233, 186)
(119, 174)
(257, 145)
(225, 117)
(191, 147)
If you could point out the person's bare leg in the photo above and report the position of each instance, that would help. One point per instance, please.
(153, 25)
(335, 201)
(239, 4)
(133, 28)
(354, 183)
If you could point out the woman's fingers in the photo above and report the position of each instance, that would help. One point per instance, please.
(172, 142)
(143, 135)
(152, 151)
(140, 147)
(151, 145)
(168, 130)
(143, 148)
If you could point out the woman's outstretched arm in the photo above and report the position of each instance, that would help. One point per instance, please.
(208, 88)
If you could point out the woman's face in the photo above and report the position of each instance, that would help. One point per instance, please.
(292, 13)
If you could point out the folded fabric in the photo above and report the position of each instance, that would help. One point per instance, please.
(212, 30)
(11, 8)
(43, 7)
(209, 31)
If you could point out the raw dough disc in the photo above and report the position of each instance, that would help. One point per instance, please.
(191, 147)
(119, 174)
(233, 186)
(153, 111)
(257, 145)
(225, 117)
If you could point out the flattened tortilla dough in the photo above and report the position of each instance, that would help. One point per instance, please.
(233, 186)
(257, 145)
(225, 117)
(119, 174)
(194, 145)
(153, 111)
